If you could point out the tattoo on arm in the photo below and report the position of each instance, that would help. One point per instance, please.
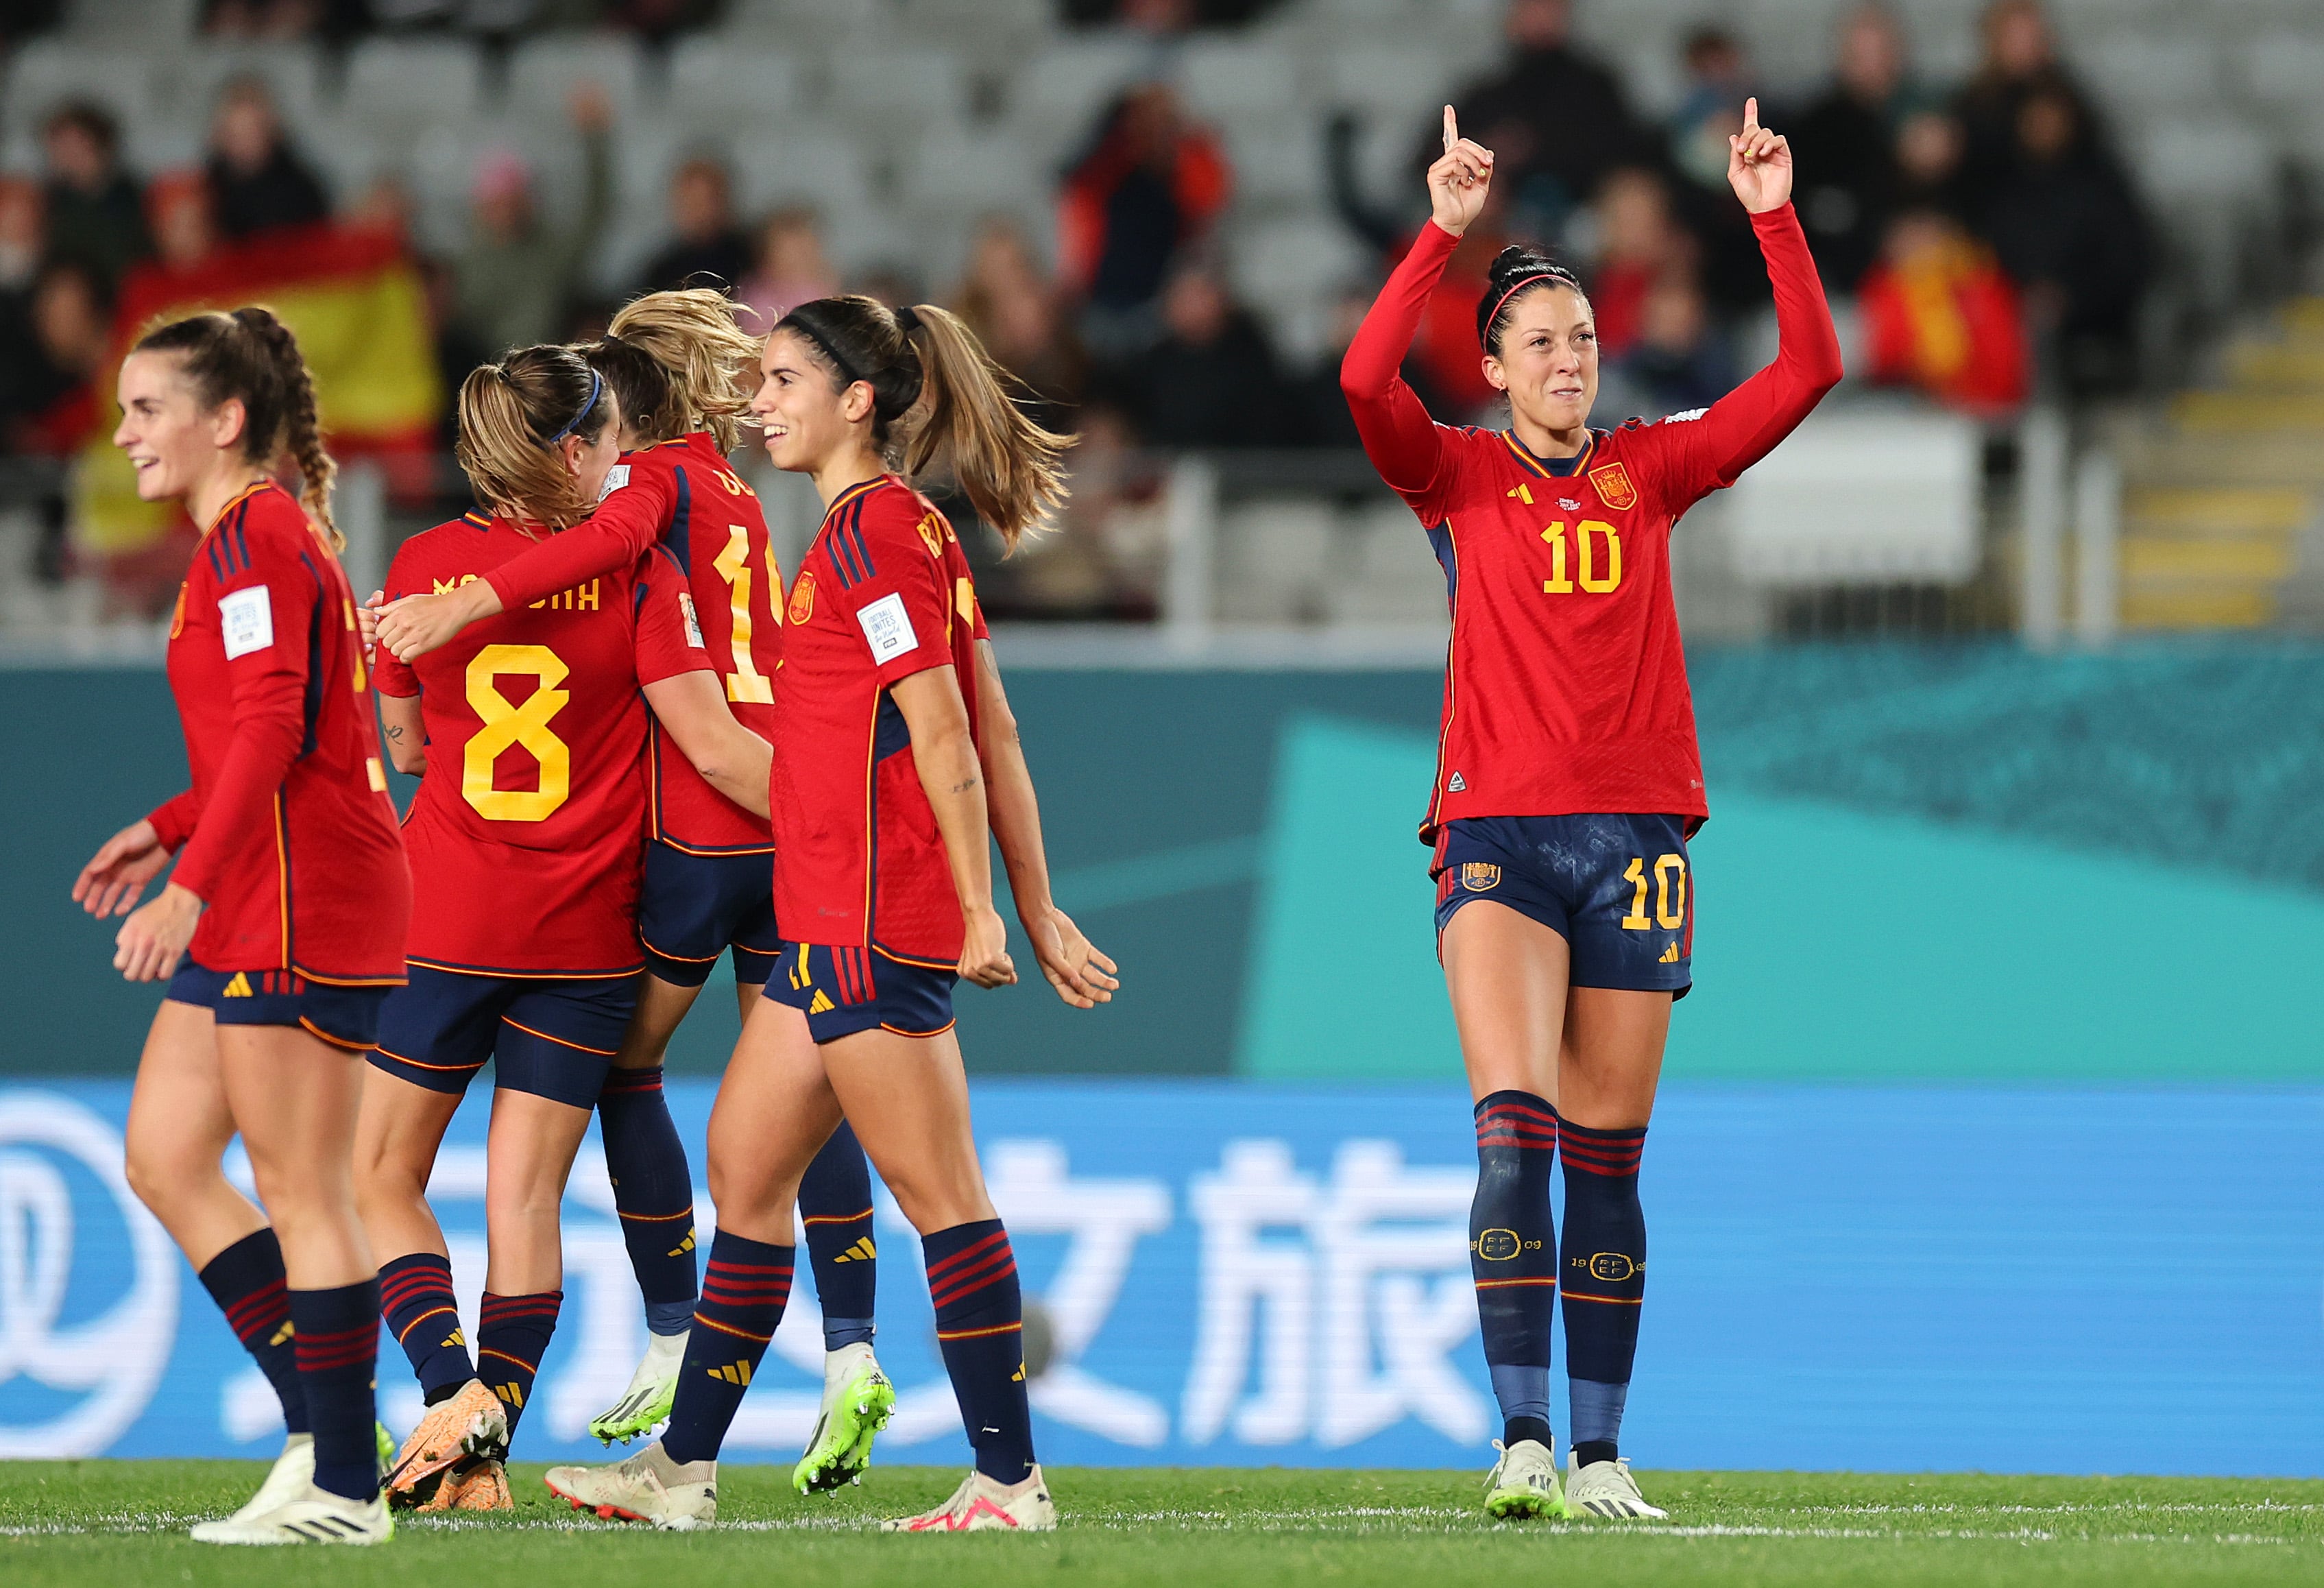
(394, 733)
(963, 788)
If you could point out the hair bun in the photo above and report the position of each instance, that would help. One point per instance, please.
(1514, 269)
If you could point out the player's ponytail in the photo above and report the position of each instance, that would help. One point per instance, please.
(252, 357)
(707, 361)
(512, 415)
(1516, 272)
(938, 399)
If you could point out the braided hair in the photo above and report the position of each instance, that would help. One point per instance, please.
(1516, 272)
(251, 357)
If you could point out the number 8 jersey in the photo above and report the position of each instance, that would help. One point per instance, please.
(527, 835)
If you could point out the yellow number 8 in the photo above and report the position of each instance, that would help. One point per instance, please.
(506, 724)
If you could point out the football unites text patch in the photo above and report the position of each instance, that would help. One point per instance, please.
(247, 621)
(887, 628)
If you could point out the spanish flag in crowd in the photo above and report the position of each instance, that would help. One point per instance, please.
(358, 307)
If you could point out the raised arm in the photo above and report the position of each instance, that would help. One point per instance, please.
(1399, 438)
(1082, 976)
(1744, 426)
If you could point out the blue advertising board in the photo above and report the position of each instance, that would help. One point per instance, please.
(1236, 1273)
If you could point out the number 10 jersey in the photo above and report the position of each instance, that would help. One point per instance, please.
(528, 834)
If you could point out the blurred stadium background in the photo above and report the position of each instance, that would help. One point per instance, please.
(1998, 1092)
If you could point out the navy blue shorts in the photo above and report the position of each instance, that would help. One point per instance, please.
(693, 907)
(1617, 888)
(552, 1038)
(849, 990)
(344, 1016)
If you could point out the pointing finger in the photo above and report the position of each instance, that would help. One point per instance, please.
(1751, 115)
(1452, 130)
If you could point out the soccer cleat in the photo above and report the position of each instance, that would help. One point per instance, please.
(1606, 1489)
(649, 1487)
(653, 1390)
(314, 1516)
(472, 1422)
(293, 1470)
(473, 1483)
(857, 1402)
(980, 1504)
(1524, 1481)
(385, 1441)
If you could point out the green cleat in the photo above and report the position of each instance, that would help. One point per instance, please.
(1524, 1483)
(857, 1402)
(652, 1391)
(384, 1441)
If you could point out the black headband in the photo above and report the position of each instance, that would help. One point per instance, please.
(596, 385)
(845, 369)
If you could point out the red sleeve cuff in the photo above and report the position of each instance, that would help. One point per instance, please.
(173, 821)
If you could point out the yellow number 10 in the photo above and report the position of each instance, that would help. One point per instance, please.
(1594, 580)
(1670, 903)
(506, 724)
(746, 682)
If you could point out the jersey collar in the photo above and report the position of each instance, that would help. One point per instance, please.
(247, 492)
(1550, 468)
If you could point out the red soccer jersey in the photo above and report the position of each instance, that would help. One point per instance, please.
(883, 593)
(288, 835)
(719, 537)
(1565, 690)
(527, 837)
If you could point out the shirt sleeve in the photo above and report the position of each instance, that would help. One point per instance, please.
(265, 615)
(1695, 455)
(1405, 445)
(173, 820)
(669, 636)
(627, 522)
(901, 609)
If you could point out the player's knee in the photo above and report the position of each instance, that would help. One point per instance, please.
(939, 1196)
(164, 1174)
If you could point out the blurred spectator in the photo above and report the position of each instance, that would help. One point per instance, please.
(2021, 56)
(1148, 186)
(387, 205)
(1711, 111)
(657, 21)
(1845, 144)
(1930, 146)
(1014, 307)
(24, 241)
(709, 249)
(185, 222)
(1679, 361)
(21, 19)
(514, 281)
(792, 268)
(256, 180)
(281, 19)
(94, 214)
(1638, 245)
(1315, 408)
(1554, 117)
(2069, 230)
(72, 317)
(1212, 381)
(1941, 315)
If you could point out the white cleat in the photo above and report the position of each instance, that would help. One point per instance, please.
(1606, 1489)
(1524, 1481)
(293, 1470)
(980, 1504)
(649, 1487)
(652, 1391)
(313, 1516)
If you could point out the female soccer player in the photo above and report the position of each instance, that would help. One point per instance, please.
(1567, 780)
(526, 840)
(892, 726)
(678, 361)
(291, 891)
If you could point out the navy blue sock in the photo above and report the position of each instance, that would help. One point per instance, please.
(415, 1296)
(1513, 1256)
(834, 1200)
(513, 1334)
(653, 1191)
(980, 1328)
(245, 1281)
(337, 1340)
(744, 1292)
(1604, 1261)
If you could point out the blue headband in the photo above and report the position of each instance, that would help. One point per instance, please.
(596, 385)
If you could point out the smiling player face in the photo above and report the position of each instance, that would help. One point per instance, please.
(1549, 359)
(804, 417)
(170, 441)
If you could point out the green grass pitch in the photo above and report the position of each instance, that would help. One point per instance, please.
(122, 1524)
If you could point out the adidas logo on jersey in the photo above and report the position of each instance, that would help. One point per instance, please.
(820, 1003)
(1458, 785)
(237, 988)
(861, 1252)
(1669, 955)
